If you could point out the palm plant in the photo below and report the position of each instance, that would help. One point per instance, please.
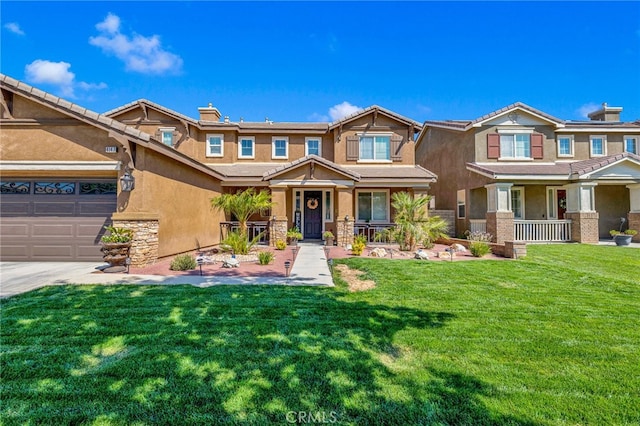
(413, 225)
(242, 205)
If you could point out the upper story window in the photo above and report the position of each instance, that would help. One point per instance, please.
(631, 144)
(246, 147)
(313, 146)
(598, 146)
(280, 147)
(215, 145)
(515, 146)
(166, 135)
(565, 146)
(375, 147)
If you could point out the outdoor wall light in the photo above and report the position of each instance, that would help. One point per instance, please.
(346, 218)
(127, 181)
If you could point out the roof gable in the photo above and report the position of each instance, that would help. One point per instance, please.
(374, 110)
(144, 106)
(312, 161)
(613, 167)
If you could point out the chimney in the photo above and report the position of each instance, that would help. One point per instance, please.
(209, 113)
(606, 113)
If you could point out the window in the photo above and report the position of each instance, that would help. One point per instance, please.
(517, 202)
(375, 147)
(328, 211)
(631, 144)
(215, 145)
(598, 146)
(515, 145)
(462, 207)
(565, 146)
(166, 135)
(280, 147)
(373, 206)
(246, 147)
(312, 146)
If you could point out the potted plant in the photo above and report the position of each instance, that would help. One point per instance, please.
(293, 235)
(328, 238)
(116, 246)
(622, 238)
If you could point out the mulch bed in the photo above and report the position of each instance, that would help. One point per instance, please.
(250, 267)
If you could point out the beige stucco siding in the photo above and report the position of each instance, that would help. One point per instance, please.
(612, 203)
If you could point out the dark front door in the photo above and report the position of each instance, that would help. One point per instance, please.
(312, 214)
(562, 203)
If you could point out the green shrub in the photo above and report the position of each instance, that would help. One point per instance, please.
(281, 245)
(359, 243)
(117, 235)
(238, 243)
(265, 257)
(479, 248)
(183, 262)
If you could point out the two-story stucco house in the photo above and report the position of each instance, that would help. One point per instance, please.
(62, 169)
(521, 174)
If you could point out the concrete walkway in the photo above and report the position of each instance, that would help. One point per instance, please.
(309, 269)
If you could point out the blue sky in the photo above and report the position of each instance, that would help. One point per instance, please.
(316, 61)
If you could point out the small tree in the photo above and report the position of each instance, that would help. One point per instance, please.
(242, 205)
(413, 225)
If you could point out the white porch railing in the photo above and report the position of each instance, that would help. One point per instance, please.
(542, 230)
(477, 225)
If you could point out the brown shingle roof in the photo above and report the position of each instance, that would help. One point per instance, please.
(367, 110)
(310, 159)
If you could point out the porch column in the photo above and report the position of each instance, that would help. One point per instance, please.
(582, 213)
(499, 214)
(145, 227)
(345, 216)
(421, 193)
(279, 221)
(634, 212)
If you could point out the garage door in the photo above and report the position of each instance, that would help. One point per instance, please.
(54, 221)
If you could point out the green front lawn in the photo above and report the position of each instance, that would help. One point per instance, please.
(551, 339)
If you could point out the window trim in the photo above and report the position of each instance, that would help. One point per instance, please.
(519, 189)
(163, 130)
(306, 145)
(624, 142)
(371, 191)
(571, 146)
(461, 201)
(604, 145)
(215, 135)
(273, 147)
(513, 133)
(374, 135)
(253, 147)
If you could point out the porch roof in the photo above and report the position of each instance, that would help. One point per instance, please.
(555, 171)
(310, 159)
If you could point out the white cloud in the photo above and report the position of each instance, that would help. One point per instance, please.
(14, 27)
(585, 109)
(140, 54)
(57, 74)
(342, 110)
(318, 117)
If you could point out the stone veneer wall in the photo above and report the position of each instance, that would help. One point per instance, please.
(344, 234)
(277, 231)
(634, 223)
(500, 226)
(144, 247)
(584, 227)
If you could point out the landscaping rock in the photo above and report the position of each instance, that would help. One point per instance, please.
(422, 255)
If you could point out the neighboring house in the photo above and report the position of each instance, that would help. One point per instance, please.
(523, 175)
(62, 168)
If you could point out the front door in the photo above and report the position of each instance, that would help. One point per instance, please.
(312, 214)
(562, 203)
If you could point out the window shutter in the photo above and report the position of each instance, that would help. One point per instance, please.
(396, 144)
(493, 145)
(536, 146)
(353, 143)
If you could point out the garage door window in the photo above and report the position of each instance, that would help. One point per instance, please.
(55, 188)
(97, 188)
(15, 187)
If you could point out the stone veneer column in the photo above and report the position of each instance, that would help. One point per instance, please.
(634, 213)
(145, 227)
(344, 234)
(584, 227)
(277, 230)
(499, 215)
(581, 211)
(500, 225)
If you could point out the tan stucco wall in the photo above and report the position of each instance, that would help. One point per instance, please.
(612, 203)
(179, 196)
